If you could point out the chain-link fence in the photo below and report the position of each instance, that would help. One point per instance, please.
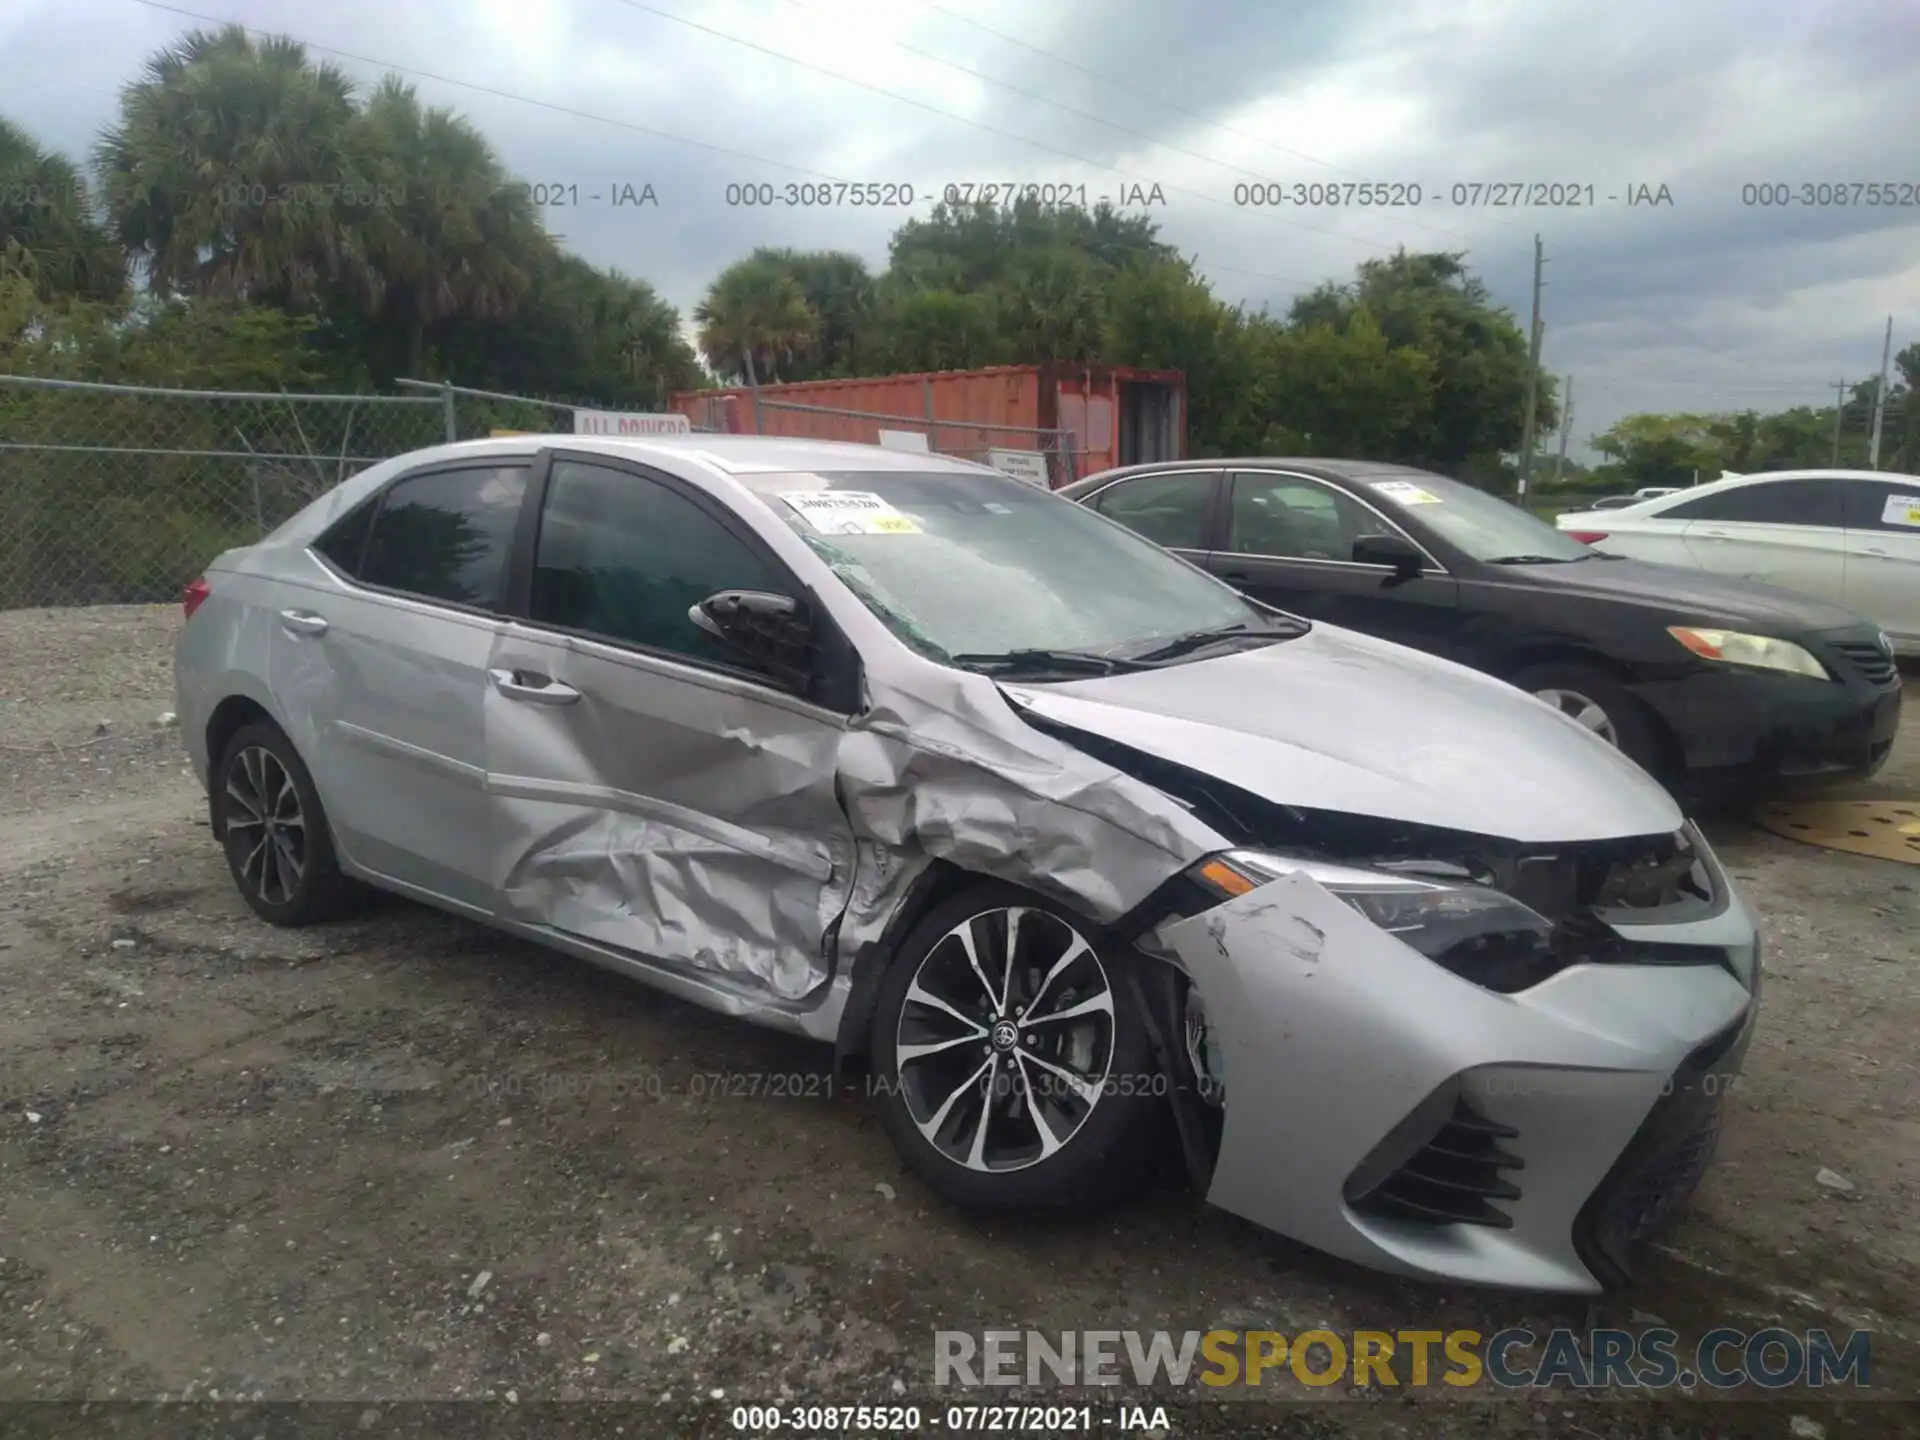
(479, 413)
(119, 494)
(116, 494)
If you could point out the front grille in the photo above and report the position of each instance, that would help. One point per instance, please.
(1875, 665)
(1638, 1209)
(1454, 1178)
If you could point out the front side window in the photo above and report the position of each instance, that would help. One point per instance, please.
(1487, 528)
(626, 557)
(1170, 510)
(1777, 502)
(1293, 518)
(958, 564)
(445, 535)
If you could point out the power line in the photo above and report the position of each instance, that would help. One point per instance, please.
(1130, 88)
(1048, 100)
(491, 90)
(1164, 103)
(577, 114)
(1013, 135)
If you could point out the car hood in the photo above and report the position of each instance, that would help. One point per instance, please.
(1697, 596)
(1344, 722)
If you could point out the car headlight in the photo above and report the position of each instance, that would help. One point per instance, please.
(1477, 933)
(1759, 652)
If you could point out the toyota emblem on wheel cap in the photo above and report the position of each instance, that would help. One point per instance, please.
(1005, 1035)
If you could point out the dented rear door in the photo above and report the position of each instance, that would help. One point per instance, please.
(654, 795)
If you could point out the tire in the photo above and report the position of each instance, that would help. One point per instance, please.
(261, 781)
(1595, 699)
(1101, 1134)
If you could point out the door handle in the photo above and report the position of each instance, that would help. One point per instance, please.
(302, 622)
(1877, 554)
(534, 689)
(1236, 577)
(1715, 535)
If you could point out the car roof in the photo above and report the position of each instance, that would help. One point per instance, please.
(740, 455)
(1660, 504)
(1332, 469)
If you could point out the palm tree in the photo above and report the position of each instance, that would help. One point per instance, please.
(230, 172)
(754, 311)
(841, 292)
(49, 231)
(456, 234)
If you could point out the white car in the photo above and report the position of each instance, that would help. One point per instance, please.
(1848, 536)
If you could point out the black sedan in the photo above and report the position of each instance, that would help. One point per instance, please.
(1727, 685)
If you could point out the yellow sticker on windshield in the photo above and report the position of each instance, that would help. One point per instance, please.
(849, 512)
(1406, 492)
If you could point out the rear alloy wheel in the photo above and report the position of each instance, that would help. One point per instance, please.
(269, 821)
(1596, 701)
(1011, 1063)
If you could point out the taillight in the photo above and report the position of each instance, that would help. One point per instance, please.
(1588, 537)
(193, 593)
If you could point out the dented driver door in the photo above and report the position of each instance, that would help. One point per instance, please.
(654, 796)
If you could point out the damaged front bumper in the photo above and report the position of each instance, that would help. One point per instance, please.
(1385, 1110)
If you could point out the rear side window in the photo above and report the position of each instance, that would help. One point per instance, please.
(1778, 502)
(626, 557)
(445, 535)
(1878, 505)
(345, 544)
(1169, 510)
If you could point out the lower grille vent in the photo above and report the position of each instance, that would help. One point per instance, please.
(1454, 1178)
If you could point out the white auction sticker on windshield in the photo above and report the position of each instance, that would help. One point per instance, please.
(849, 512)
(1901, 510)
(1406, 492)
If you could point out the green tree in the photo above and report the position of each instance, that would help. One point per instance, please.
(226, 171)
(919, 328)
(452, 232)
(1050, 305)
(579, 333)
(49, 228)
(1345, 390)
(840, 291)
(1431, 302)
(754, 317)
(1659, 450)
(1161, 316)
(970, 246)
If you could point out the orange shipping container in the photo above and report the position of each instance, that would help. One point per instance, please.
(1085, 418)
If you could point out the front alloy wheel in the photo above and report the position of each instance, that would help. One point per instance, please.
(1011, 1062)
(1006, 1038)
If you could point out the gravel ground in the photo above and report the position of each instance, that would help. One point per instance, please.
(403, 1159)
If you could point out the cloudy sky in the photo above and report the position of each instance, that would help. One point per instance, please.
(1707, 301)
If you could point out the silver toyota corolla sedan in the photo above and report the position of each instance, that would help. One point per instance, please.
(1069, 849)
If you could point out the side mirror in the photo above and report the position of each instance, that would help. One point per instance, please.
(1393, 551)
(771, 630)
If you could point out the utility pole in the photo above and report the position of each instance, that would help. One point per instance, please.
(1566, 429)
(1839, 409)
(1533, 375)
(1880, 399)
